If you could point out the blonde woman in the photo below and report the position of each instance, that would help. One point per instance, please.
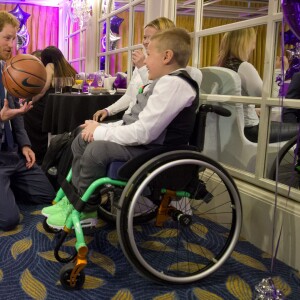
(235, 50)
(140, 73)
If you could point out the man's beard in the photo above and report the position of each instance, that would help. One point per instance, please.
(8, 56)
(5, 55)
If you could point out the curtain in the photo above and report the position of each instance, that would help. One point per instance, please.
(123, 32)
(42, 25)
(210, 44)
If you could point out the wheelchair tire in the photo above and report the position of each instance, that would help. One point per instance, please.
(286, 165)
(182, 251)
(65, 274)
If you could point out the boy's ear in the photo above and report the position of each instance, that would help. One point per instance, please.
(169, 54)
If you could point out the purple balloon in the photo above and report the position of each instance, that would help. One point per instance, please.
(21, 15)
(290, 38)
(291, 13)
(115, 23)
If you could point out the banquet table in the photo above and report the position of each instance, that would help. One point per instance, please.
(64, 112)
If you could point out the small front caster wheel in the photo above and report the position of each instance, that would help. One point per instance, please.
(64, 277)
(49, 229)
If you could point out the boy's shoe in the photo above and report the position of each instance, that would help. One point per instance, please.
(61, 205)
(87, 219)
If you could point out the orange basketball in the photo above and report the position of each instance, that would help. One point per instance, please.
(24, 76)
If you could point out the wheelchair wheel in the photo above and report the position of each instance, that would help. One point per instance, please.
(192, 235)
(65, 274)
(287, 172)
(111, 195)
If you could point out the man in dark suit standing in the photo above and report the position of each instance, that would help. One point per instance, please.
(20, 177)
(292, 115)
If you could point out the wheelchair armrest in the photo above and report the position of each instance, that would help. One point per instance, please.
(217, 109)
(127, 170)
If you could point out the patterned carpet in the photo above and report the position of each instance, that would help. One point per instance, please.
(28, 269)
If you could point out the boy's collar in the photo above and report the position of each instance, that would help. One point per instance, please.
(184, 69)
(177, 70)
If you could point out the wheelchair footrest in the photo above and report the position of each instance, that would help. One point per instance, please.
(89, 223)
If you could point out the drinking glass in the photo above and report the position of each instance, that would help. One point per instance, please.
(69, 81)
(89, 78)
(100, 78)
(58, 84)
(79, 81)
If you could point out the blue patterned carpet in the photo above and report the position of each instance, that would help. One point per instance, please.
(28, 269)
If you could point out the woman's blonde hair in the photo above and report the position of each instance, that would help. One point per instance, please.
(161, 23)
(236, 44)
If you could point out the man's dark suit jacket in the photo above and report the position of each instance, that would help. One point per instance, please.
(292, 115)
(17, 123)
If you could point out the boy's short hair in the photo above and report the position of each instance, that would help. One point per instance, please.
(176, 39)
(7, 18)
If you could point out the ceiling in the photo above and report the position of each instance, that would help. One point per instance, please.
(242, 9)
(229, 9)
(37, 2)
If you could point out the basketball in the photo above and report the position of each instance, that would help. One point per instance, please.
(24, 76)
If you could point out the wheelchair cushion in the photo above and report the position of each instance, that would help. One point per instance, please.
(113, 169)
(128, 168)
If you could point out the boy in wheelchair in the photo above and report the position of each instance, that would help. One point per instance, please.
(164, 115)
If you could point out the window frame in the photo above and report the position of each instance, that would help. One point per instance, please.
(167, 8)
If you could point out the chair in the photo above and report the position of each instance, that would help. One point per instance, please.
(225, 140)
(195, 73)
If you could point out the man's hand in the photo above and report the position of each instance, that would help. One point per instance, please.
(89, 127)
(138, 58)
(29, 155)
(8, 113)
